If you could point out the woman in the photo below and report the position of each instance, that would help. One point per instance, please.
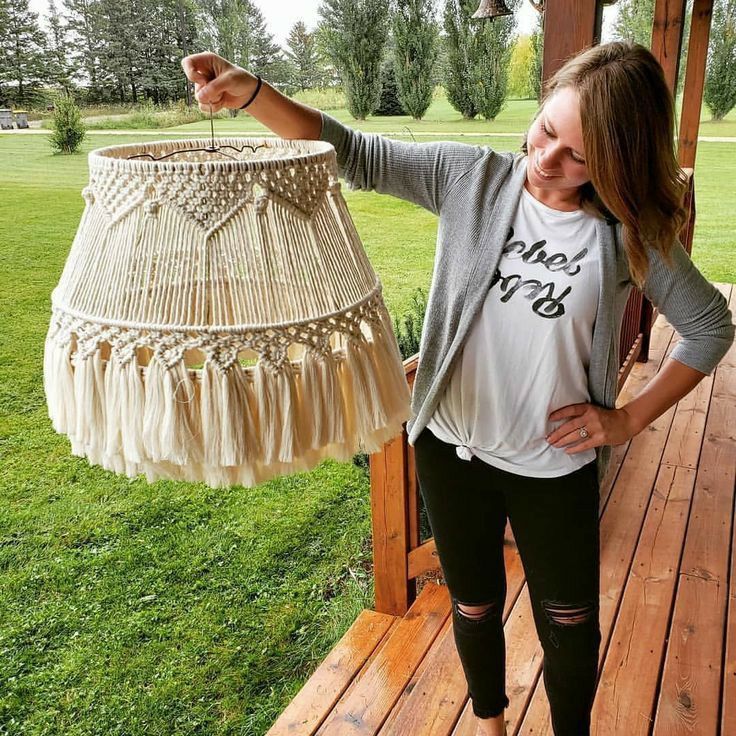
(514, 398)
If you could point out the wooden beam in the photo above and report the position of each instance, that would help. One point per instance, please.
(424, 559)
(697, 55)
(669, 21)
(569, 27)
(390, 527)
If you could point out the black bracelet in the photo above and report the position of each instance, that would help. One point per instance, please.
(253, 96)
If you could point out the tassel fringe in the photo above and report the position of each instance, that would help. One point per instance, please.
(239, 426)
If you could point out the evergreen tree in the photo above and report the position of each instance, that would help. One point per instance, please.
(439, 72)
(59, 69)
(491, 49)
(535, 68)
(634, 21)
(478, 59)
(237, 30)
(416, 39)
(4, 54)
(355, 33)
(186, 36)
(25, 50)
(390, 103)
(69, 131)
(303, 57)
(130, 51)
(224, 29)
(408, 328)
(83, 24)
(268, 58)
(720, 82)
(321, 35)
(458, 35)
(168, 34)
(122, 31)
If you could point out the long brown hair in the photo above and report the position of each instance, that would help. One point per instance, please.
(627, 115)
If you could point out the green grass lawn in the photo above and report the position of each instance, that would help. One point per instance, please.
(441, 117)
(128, 608)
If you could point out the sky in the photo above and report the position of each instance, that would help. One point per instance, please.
(280, 16)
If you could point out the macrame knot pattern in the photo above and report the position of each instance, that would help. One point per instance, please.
(217, 320)
(151, 207)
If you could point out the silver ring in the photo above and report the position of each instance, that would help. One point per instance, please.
(583, 432)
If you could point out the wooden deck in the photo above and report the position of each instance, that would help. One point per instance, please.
(667, 606)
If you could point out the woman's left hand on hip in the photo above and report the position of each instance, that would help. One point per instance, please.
(603, 426)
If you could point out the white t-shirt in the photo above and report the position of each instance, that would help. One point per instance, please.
(528, 351)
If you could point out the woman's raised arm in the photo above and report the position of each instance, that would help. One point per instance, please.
(421, 173)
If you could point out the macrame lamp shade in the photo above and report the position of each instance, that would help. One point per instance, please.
(217, 318)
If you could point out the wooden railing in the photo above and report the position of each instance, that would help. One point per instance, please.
(639, 314)
(399, 555)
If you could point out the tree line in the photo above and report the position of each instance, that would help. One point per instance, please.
(386, 55)
(129, 51)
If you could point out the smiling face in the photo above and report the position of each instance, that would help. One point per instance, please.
(556, 159)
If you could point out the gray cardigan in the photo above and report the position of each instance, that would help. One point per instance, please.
(474, 190)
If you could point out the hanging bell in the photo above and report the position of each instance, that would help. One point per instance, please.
(490, 9)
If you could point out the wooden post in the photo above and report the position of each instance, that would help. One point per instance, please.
(697, 55)
(669, 21)
(393, 513)
(569, 27)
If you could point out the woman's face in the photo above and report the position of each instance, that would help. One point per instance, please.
(555, 144)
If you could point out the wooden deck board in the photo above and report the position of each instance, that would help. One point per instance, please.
(668, 600)
(316, 699)
(366, 705)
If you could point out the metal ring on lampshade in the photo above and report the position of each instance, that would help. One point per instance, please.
(218, 320)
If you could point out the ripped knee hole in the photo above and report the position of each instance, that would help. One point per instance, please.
(475, 612)
(568, 614)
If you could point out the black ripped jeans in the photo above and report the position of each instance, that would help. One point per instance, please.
(556, 528)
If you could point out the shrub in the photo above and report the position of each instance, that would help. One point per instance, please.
(69, 130)
(147, 116)
(323, 98)
(409, 331)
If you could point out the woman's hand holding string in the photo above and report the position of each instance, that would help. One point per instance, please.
(221, 84)
(217, 82)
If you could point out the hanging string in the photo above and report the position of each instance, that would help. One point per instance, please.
(212, 129)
